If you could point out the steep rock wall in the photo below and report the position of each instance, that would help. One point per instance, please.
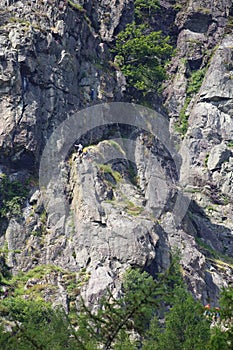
(51, 59)
(205, 43)
(55, 59)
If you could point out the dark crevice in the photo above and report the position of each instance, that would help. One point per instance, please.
(215, 99)
(198, 22)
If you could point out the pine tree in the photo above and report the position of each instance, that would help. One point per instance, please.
(222, 333)
(185, 326)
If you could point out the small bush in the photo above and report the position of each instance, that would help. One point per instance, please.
(106, 169)
(194, 84)
(145, 8)
(195, 81)
(12, 197)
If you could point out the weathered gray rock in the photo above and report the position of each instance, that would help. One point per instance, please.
(55, 60)
(42, 67)
(205, 149)
(218, 155)
(201, 26)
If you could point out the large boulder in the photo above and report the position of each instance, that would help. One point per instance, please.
(218, 155)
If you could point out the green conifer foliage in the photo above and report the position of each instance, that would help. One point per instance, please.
(141, 55)
(150, 315)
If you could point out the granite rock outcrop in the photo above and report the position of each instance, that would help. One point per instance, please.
(56, 59)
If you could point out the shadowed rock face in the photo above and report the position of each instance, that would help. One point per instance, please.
(54, 59)
(198, 22)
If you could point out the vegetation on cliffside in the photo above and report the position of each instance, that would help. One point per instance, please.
(150, 314)
(141, 52)
(12, 196)
(54, 59)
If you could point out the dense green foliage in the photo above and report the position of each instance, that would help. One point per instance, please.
(12, 196)
(142, 53)
(222, 337)
(35, 326)
(140, 310)
(185, 326)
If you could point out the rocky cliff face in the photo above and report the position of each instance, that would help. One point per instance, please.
(54, 60)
